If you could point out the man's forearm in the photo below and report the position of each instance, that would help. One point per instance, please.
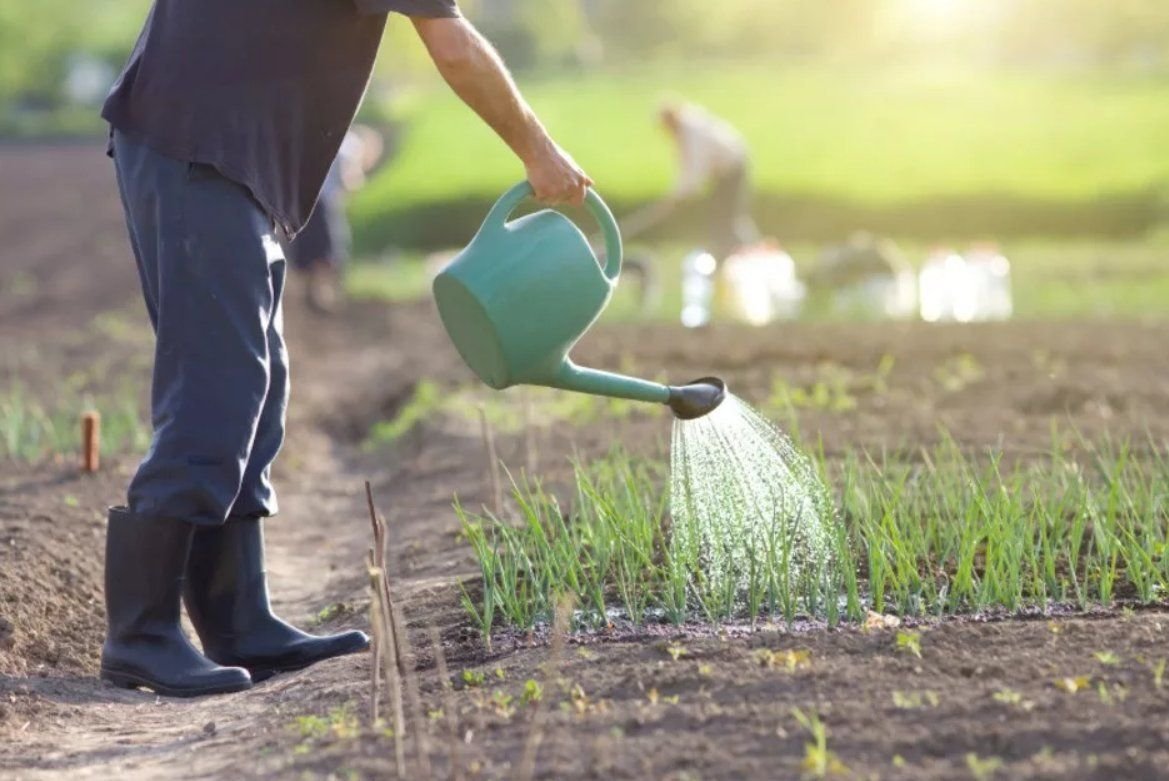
(471, 67)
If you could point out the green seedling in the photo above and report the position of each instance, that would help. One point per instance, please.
(653, 696)
(331, 612)
(1107, 658)
(942, 533)
(340, 723)
(829, 393)
(983, 768)
(1158, 670)
(915, 700)
(473, 678)
(818, 761)
(1012, 698)
(502, 703)
(675, 652)
(909, 642)
(1073, 684)
(790, 659)
(533, 692)
(959, 372)
(1111, 696)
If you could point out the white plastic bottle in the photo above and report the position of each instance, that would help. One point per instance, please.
(944, 288)
(762, 284)
(697, 288)
(992, 272)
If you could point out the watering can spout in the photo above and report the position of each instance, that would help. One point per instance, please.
(697, 398)
(687, 402)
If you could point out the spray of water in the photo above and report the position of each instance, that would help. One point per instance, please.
(749, 512)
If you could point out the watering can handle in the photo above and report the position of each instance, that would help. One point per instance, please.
(597, 207)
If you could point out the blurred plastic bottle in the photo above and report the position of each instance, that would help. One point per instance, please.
(762, 284)
(966, 289)
(991, 272)
(697, 288)
(945, 288)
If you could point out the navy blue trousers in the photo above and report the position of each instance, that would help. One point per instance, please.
(212, 275)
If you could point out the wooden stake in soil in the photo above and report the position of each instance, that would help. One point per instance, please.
(492, 463)
(399, 660)
(384, 646)
(448, 705)
(375, 648)
(385, 656)
(90, 441)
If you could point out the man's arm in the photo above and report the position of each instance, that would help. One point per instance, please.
(478, 76)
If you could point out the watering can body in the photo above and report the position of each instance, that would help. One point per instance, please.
(523, 292)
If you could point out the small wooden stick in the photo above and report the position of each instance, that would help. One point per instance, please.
(448, 705)
(375, 648)
(90, 441)
(382, 624)
(385, 641)
(492, 463)
(399, 644)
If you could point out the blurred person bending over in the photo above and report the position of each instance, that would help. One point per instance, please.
(714, 166)
(223, 126)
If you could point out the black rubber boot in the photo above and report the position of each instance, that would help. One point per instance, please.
(227, 599)
(145, 645)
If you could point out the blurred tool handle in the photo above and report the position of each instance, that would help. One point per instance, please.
(646, 218)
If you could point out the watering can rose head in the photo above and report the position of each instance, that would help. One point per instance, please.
(524, 291)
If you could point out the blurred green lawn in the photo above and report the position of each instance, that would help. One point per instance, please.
(1051, 280)
(879, 137)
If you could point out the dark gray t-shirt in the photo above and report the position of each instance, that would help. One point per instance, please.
(263, 90)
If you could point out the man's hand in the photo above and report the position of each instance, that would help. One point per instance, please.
(555, 176)
(477, 75)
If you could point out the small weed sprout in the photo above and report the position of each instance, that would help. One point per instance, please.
(915, 700)
(340, 723)
(1073, 684)
(473, 678)
(909, 642)
(1013, 698)
(533, 692)
(790, 660)
(983, 768)
(818, 761)
(1158, 670)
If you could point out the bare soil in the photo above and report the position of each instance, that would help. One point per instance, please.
(980, 702)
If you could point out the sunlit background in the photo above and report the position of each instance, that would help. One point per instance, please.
(1040, 125)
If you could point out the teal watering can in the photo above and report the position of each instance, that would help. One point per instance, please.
(523, 292)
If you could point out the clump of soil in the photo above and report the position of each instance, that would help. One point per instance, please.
(51, 553)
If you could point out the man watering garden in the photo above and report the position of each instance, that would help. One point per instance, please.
(223, 126)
